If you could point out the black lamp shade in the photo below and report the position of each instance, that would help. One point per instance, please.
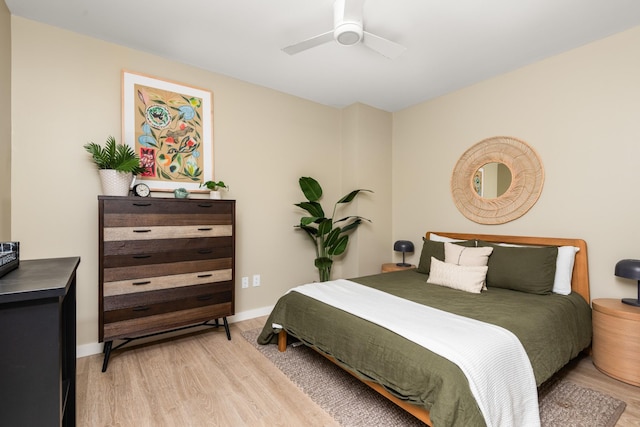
(629, 269)
(403, 246)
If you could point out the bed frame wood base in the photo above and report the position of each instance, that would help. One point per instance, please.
(579, 284)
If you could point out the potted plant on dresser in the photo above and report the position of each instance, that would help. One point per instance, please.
(214, 188)
(117, 165)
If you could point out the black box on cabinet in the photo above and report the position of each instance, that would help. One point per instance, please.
(9, 257)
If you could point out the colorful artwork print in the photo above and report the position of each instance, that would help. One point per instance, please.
(169, 126)
(169, 135)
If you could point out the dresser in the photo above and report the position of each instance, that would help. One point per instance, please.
(38, 336)
(165, 264)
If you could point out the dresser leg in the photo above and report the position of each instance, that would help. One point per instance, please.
(107, 352)
(226, 328)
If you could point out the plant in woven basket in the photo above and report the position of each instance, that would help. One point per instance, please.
(329, 237)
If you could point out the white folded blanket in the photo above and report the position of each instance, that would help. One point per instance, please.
(492, 358)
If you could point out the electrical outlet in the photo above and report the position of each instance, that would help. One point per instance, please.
(245, 282)
(256, 280)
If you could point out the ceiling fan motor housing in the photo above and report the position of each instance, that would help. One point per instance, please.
(348, 33)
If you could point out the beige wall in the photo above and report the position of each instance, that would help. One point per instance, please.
(580, 111)
(66, 92)
(5, 123)
(366, 151)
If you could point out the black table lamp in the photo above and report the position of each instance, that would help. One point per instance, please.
(403, 246)
(629, 269)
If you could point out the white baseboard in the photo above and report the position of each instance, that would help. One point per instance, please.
(90, 349)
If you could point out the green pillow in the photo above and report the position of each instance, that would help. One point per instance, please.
(432, 248)
(525, 269)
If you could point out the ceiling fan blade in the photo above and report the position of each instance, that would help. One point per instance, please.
(383, 46)
(309, 43)
(348, 10)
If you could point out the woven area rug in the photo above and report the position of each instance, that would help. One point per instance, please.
(353, 404)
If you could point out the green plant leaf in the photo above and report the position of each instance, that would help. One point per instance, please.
(332, 238)
(324, 227)
(306, 220)
(313, 232)
(314, 208)
(349, 197)
(339, 247)
(310, 188)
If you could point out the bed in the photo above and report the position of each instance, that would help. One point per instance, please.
(553, 328)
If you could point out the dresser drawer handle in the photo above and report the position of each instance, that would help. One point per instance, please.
(141, 256)
(200, 276)
(205, 297)
(142, 204)
(142, 231)
(205, 251)
(146, 282)
(143, 308)
(205, 229)
(207, 205)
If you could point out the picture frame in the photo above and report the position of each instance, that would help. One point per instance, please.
(170, 126)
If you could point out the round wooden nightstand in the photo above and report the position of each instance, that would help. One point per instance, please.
(391, 266)
(616, 339)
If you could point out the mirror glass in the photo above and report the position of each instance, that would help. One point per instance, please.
(492, 180)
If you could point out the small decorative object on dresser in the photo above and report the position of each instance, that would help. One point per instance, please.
(629, 269)
(181, 193)
(141, 190)
(165, 264)
(214, 188)
(616, 339)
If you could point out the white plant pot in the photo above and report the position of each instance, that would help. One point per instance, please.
(116, 183)
(215, 195)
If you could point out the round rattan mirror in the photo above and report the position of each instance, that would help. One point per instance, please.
(527, 178)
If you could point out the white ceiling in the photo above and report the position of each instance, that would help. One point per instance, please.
(450, 43)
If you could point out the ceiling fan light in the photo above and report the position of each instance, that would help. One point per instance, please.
(348, 33)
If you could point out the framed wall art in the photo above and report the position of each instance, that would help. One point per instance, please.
(169, 125)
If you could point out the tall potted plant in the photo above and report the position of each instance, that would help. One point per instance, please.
(117, 165)
(329, 237)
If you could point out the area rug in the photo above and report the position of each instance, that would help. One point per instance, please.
(353, 404)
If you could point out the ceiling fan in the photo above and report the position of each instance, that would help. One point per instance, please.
(347, 31)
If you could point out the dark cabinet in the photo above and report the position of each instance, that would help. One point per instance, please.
(38, 339)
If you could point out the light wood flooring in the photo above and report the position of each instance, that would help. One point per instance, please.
(201, 379)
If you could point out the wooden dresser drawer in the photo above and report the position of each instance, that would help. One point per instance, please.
(134, 212)
(163, 251)
(133, 328)
(174, 281)
(147, 304)
(166, 232)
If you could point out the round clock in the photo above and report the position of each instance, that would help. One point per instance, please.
(141, 190)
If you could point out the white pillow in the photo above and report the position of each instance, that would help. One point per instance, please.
(439, 238)
(461, 277)
(564, 269)
(461, 255)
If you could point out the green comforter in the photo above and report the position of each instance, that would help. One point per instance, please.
(552, 328)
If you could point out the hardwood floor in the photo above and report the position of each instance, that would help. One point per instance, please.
(201, 379)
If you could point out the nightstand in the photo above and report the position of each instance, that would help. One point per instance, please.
(392, 266)
(616, 339)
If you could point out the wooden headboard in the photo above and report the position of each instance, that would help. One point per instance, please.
(580, 278)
